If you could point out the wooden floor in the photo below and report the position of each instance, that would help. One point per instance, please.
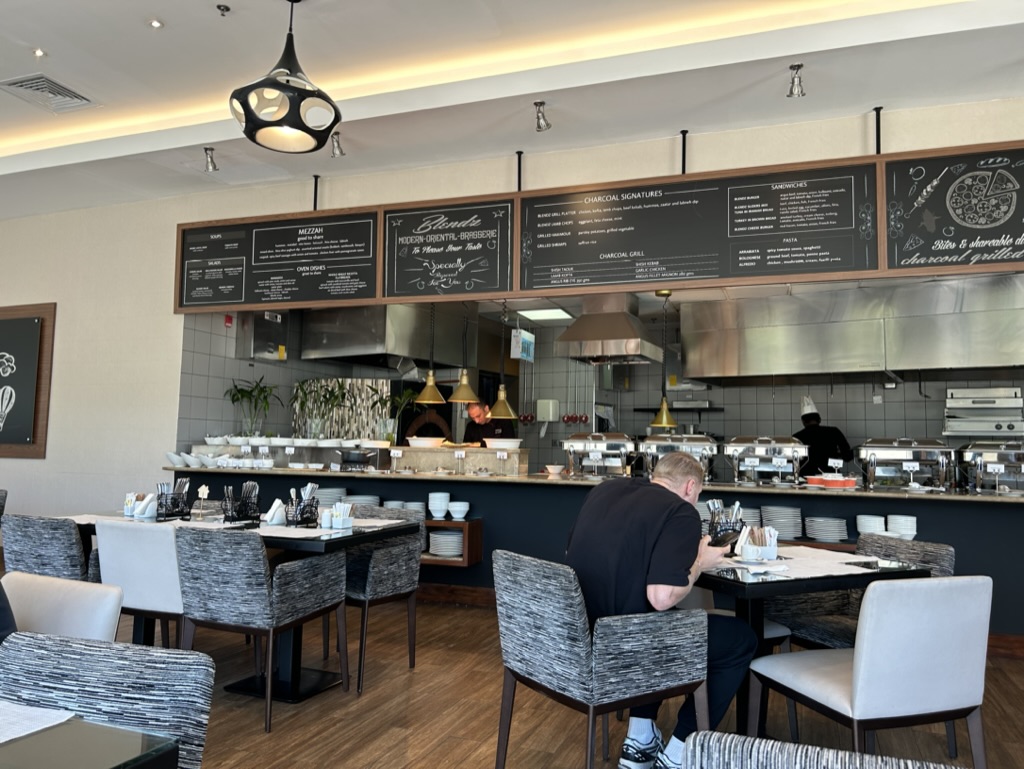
(444, 713)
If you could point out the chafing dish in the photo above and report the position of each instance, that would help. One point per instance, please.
(899, 462)
(701, 447)
(597, 453)
(761, 458)
(993, 465)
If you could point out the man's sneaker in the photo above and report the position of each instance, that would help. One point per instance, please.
(662, 762)
(637, 756)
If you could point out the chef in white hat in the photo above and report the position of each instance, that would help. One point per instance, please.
(823, 442)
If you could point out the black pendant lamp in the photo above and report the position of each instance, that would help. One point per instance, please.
(284, 111)
(501, 408)
(464, 393)
(663, 419)
(430, 394)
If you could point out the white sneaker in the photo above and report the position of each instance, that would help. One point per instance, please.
(637, 756)
(662, 762)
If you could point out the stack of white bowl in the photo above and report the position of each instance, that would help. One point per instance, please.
(437, 502)
(458, 510)
(418, 506)
(904, 525)
(870, 524)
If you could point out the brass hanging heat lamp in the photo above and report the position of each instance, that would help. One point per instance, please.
(663, 419)
(430, 394)
(464, 393)
(501, 408)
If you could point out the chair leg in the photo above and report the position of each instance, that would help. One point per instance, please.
(508, 698)
(591, 729)
(257, 655)
(343, 645)
(188, 633)
(619, 714)
(327, 635)
(269, 677)
(604, 738)
(976, 734)
(364, 609)
(700, 702)
(754, 706)
(869, 741)
(411, 609)
(165, 633)
(951, 738)
(786, 646)
(794, 728)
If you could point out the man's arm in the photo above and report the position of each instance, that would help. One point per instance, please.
(663, 597)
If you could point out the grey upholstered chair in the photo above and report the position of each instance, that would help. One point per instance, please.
(629, 660)
(3, 502)
(383, 572)
(909, 665)
(48, 546)
(226, 583)
(162, 691)
(65, 607)
(142, 561)
(719, 750)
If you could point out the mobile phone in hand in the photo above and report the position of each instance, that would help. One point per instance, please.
(724, 538)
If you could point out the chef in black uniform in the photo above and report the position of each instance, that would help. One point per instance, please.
(482, 426)
(823, 442)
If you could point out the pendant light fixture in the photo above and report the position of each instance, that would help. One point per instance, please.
(501, 408)
(284, 111)
(430, 394)
(464, 393)
(796, 83)
(663, 419)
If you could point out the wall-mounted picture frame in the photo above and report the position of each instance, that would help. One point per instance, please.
(26, 366)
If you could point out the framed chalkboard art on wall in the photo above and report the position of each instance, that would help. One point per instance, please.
(26, 361)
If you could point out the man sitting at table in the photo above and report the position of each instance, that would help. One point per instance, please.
(636, 547)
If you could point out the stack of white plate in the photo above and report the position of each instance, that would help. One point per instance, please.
(705, 517)
(826, 529)
(362, 499)
(904, 525)
(420, 506)
(394, 503)
(446, 543)
(751, 516)
(327, 497)
(785, 520)
(438, 501)
(870, 524)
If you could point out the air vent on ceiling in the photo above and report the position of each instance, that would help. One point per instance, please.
(47, 93)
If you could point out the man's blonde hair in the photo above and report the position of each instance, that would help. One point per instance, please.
(677, 468)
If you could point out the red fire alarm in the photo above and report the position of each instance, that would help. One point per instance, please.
(229, 321)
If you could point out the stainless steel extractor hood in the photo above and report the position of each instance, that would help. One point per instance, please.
(608, 331)
(393, 336)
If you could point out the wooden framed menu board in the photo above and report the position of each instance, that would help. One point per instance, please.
(266, 262)
(955, 211)
(448, 250)
(788, 223)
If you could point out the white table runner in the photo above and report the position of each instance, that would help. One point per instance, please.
(18, 720)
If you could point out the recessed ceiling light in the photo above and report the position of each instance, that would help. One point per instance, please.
(545, 314)
(155, 23)
(38, 53)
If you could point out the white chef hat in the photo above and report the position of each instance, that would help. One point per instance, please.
(807, 406)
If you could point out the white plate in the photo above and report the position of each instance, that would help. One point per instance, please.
(754, 562)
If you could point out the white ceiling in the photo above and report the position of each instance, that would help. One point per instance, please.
(428, 82)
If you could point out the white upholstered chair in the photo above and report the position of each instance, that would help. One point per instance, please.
(64, 607)
(919, 657)
(141, 560)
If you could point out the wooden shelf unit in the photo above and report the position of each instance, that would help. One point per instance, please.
(472, 542)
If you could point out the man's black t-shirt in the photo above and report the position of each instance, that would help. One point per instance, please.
(495, 428)
(631, 533)
(823, 442)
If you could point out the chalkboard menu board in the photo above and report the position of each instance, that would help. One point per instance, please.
(813, 221)
(451, 250)
(955, 211)
(261, 263)
(19, 366)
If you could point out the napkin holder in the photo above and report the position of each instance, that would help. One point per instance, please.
(276, 514)
(146, 509)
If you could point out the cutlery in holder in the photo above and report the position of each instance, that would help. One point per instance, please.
(302, 512)
(172, 505)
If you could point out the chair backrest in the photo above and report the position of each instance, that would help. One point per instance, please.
(65, 607)
(542, 623)
(939, 558)
(3, 501)
(48, 546)
(394, 513)
(714, 750)
(141, 559)
(921, 646)
(225, 576)
(163, 691)
(391, 567)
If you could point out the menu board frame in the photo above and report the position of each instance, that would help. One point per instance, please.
(47, 314)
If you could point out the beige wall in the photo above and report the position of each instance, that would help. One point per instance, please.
(117, 344)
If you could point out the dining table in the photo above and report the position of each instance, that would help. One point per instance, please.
(798, 569)
(40, 738)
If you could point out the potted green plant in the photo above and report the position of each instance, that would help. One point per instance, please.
(328, 396)
(253, 398)
(394, 406)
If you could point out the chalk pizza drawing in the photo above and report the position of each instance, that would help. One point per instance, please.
(984, 198)
(7, 397)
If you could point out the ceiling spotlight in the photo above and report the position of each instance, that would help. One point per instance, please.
(211, 166)
(542, 122)
(38, 53)
(796, 85)
(224, 9)
(284, 111)
(336, 149)
(155, 23)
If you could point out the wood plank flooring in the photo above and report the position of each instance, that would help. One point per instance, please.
(444, 713)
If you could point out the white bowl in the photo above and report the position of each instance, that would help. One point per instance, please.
(329, 443)
(278, 441)
(174, 459)
(458, 506)
(192, 461)
(367, 444)
(503, 443)
(238, 440)
(216, 440)
(458, 516)
(259, 440)
(297, 465)
(207, 460)
(425, 443)
(554, 469)
(265, 463)
(350, 443)
(315, 466)
(305, 441)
